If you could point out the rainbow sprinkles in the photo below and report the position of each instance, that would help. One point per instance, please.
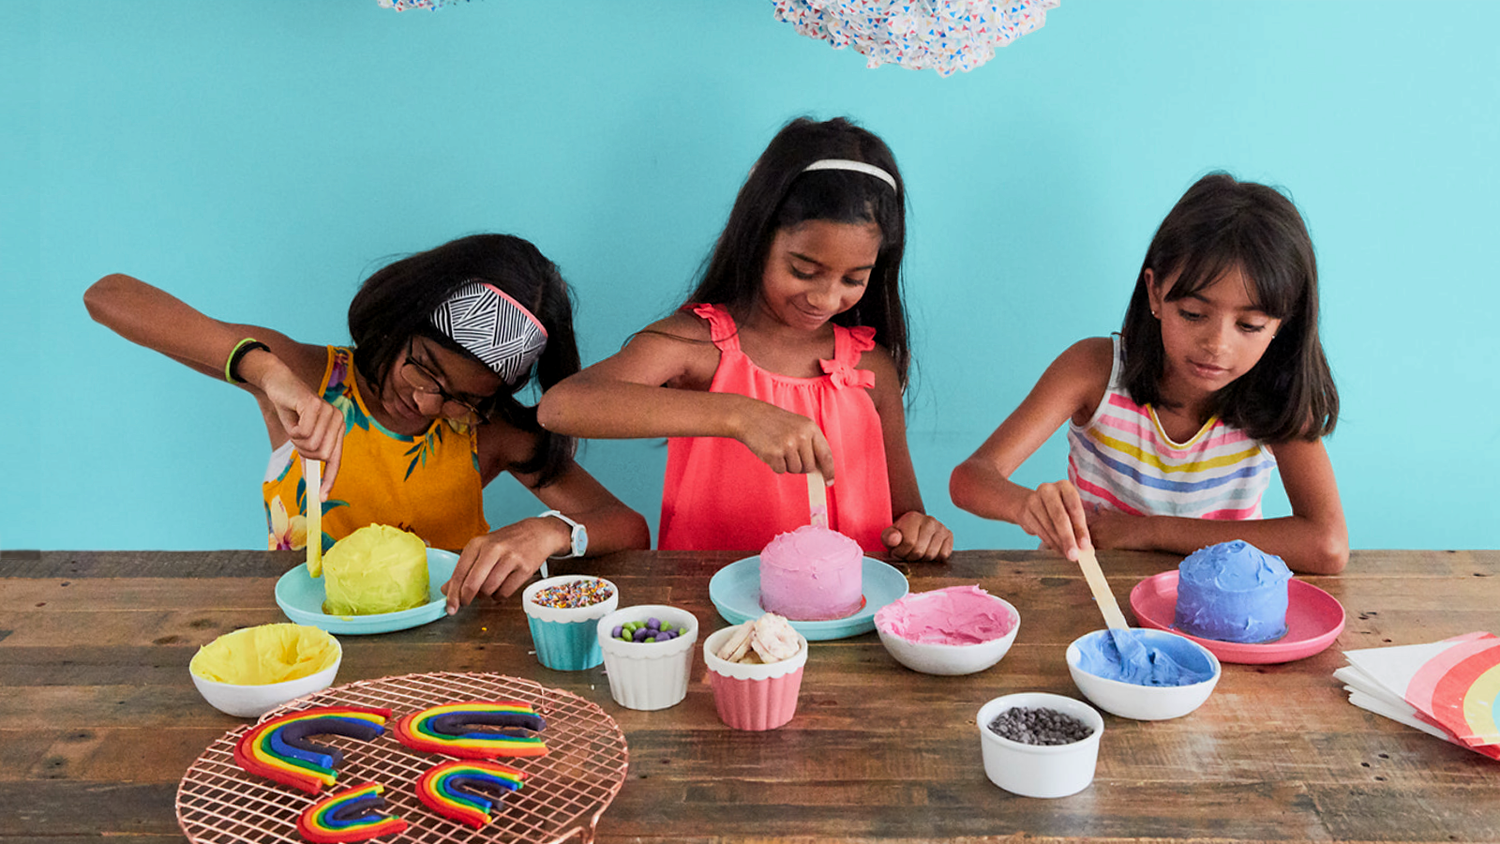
(475, 729)
(279, 749)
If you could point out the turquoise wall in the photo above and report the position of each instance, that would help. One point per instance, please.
(258, 158)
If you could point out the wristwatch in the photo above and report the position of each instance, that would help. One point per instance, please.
(579, 538)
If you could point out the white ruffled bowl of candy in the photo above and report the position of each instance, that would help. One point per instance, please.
(648, 654)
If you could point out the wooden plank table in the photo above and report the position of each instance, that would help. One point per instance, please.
(99, 719)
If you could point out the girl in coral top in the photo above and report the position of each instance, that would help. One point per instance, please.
(790, 357)
(418, 415)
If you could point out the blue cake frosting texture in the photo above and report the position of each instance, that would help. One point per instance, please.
(1232, 592)
(1148, 663)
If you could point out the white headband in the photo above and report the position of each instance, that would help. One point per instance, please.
(856, 166)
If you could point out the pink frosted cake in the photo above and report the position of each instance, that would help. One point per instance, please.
(812, 574)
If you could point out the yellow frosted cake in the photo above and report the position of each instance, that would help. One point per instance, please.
(376, 569)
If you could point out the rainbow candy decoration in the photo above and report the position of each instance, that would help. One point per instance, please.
(279, 749)
(451, 729)
(348, 815)
(462, 791)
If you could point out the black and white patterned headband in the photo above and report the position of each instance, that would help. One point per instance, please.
(493, 327)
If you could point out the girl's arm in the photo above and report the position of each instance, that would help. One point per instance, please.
(1071, 388)
(913, 535)
(1313, 540)
(279, 379)
(503, 560)
(657, 387)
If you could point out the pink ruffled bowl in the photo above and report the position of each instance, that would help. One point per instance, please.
(754, 697)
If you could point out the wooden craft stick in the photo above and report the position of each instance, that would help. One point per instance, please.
(817, 498)
(1113, 618)
(312, 474)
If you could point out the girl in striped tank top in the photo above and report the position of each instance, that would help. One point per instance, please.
(1175, 424)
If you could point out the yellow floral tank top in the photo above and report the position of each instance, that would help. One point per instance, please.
(426, 484)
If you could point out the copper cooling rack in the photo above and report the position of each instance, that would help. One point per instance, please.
(565, 793)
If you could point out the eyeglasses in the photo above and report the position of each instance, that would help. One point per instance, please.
(423, 380)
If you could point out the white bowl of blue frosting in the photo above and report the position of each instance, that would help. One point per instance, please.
(1167, 676)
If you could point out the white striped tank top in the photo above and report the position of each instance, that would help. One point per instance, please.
(1122, 460)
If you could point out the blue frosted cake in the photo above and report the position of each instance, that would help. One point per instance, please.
(1232, 592)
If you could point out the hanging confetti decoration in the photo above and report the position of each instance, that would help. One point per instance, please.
(430, 5)
(944, 35)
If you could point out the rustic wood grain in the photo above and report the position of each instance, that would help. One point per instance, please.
(99, 719)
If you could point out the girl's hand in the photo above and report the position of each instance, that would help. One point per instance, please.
(1054, 513)
(316, 428)
(918, 536)
(503, 560)
(786, 441)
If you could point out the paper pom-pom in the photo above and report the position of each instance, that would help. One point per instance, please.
(945, 35)
(430, 5)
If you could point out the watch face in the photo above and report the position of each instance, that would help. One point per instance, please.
(580, 541)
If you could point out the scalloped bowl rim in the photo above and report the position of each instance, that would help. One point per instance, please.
(647, 650)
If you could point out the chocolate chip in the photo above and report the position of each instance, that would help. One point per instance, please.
(1039, 725)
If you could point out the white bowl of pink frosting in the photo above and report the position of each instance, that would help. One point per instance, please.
(957, 630)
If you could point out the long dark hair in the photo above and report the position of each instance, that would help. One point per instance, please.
(1218, 225)
(778, 194)
(396, 302)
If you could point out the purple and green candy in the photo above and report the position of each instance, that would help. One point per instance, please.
(650, 630)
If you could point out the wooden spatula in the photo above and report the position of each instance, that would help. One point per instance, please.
(817, 498)
(312, 475)
(1113, 618)
(1126, 642)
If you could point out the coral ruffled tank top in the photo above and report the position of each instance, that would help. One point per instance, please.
(718, 496)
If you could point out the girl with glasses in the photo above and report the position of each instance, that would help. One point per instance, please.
(418, 414)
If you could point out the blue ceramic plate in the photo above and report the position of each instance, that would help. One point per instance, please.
(300, 596)
(735, 591)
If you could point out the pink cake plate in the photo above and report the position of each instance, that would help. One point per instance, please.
(1314, 619)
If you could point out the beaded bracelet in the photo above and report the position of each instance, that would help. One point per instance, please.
(242, 348)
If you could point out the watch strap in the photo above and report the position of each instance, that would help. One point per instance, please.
(576, 533)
